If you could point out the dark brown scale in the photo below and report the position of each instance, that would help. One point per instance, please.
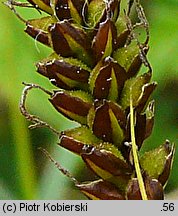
(62, 9)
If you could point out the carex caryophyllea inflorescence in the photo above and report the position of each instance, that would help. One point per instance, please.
(94, 64)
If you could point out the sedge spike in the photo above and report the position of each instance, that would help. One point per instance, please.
(94, 65)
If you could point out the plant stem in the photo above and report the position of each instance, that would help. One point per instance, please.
(135, 154)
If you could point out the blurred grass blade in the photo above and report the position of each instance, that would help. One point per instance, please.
(24, 157)
(24, 182)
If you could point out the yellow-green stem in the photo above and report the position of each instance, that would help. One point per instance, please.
(135, 154)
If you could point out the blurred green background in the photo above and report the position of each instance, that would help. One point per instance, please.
(24, 171)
